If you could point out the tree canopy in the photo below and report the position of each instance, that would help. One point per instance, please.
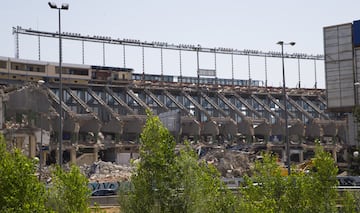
(315, 191)
(170, 180)
(68, 191)
(20, 189)
(167, 180)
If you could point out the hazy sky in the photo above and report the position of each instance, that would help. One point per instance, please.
(234, 24)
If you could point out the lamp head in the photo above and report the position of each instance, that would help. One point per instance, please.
(52, 5)
(65, 6)
(356, 154)
(280, 43)
(292, 43)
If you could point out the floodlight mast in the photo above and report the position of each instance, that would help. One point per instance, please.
(286, 133)
(64, 6)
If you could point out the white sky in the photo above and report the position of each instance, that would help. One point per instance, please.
(234, 24)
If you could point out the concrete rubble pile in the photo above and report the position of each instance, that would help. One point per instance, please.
(106, 172)
(230, 163)
(47, 170)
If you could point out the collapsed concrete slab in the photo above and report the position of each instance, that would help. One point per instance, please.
(113, 126)
(29, 98)
(209, 128)
(330, 129)
(226, 126)
(245, 127)
(342, 132)
(278, 128)
(88, 123)
(297, 128)
(133, 124)
(190, 126)
(263, 129)
(313, 130)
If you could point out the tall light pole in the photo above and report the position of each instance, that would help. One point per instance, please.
(64, 6)
(282, 43)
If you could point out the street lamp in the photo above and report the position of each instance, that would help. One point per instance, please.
(282, 43)
(64, 6)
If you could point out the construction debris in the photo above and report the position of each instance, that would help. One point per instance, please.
(102, 171)
(230, 163)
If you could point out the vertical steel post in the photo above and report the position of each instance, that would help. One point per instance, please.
(285, 112)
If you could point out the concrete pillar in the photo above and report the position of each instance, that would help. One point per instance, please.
(117, 137)
(57, 153)
(284, 155)
(96, 137)
(96, 156)
(74, 137)
(19, 142)
(44, 157)
(301, 156)
(249, 139)
(73, 155)
(334, 154)
(32, 146)
(346, 155)
(266, 139)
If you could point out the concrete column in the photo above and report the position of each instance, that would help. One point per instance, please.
(73, 155)
(249, 139)
(334, 154)
(284, 155)
(74, 137)
(266, 139)
(96, 137)
(57, 154)
(96, 156)
(117, 137)
(346, 155)
(301, 156)
(19, 142)
(32, 146)
(44, 157)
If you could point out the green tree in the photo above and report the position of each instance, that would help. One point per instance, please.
(153, 180)
(312, 192)
(69, 191)
(323, 193)
(20, 189)
(263, 191)
(349, 201)
(203, 190)
(170, 181)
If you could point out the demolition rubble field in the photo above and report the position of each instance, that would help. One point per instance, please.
(230, 163)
